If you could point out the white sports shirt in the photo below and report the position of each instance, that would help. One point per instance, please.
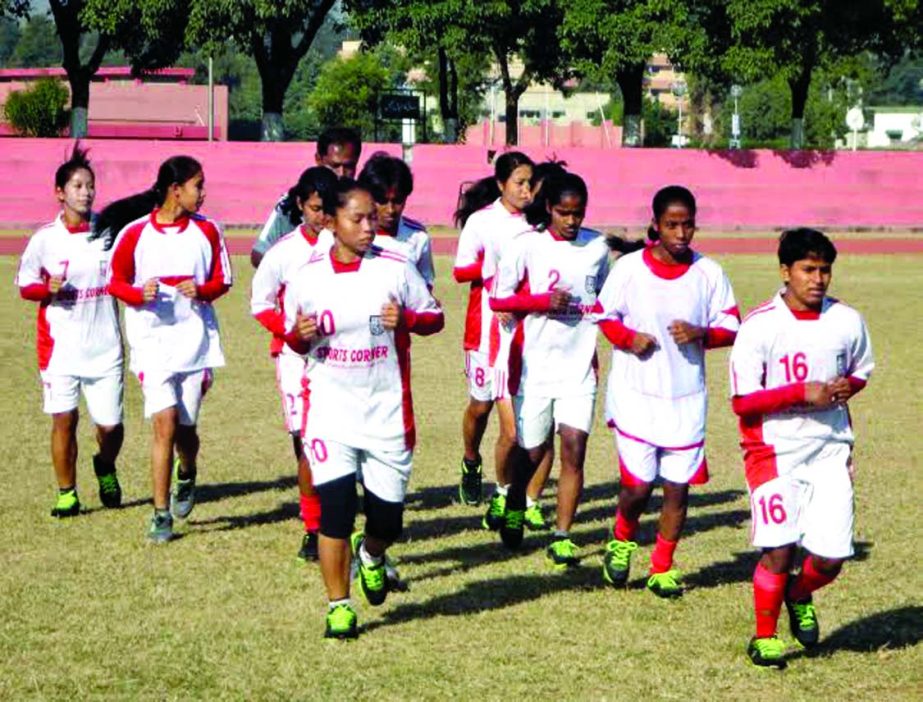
(558, 348)
(78, 328)
(411, 241)
(360, 377)
(662, 399)
(776, 348)
(172, 333)
(277, 225)
(483, 239)
(267, 291)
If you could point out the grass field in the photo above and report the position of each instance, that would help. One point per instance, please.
(89, 610)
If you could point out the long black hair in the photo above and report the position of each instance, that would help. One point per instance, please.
(485, 191)
(537, 212)
(175, 170)
(340, 194)
(383, 172)
(670, 195)
(76, 161)
(317, 179)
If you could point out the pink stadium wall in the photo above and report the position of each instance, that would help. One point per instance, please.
(744, 189)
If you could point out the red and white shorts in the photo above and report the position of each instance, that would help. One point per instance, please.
(480, 376)
(811, 505)
(535, 416)
(384, 473)
(184, 391)
(641, 462)
(61, 393)
(293, 389)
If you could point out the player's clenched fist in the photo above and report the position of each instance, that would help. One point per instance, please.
(306, 326)
(187, 288)
(643, 345)
(390, 315)
(149, 290)
(824, 395)
(685, 333)
(560, 300)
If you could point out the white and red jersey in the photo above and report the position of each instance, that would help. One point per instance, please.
(78, 328)
(267, 291)
(360, 371)
(172, 333)
(558, 349)
(481, 244)
(776, 352)
(661, 399)
(411, 241)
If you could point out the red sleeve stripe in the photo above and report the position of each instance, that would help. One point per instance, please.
(122, 281)
(620, 336)
(273, 320)
(423, 323)
(521, 302)
(768, 401)
(218, 282)
(470, 273)
(37, 292)
(716, 337)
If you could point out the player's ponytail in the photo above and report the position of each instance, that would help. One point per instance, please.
(670, 195)
(484, 191)
(174, 171)
(317, 179)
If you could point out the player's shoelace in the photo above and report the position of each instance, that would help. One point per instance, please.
(564, 549)
(109, 483)
(805, 614)
(769, 648)
(619, 552)
(515, 518)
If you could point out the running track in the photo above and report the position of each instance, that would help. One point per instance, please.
(13, 246)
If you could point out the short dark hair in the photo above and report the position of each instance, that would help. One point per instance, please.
(77, 161)
(383, 172)
(670, 195)
(317, 179)
(338, 135)
(341, 192)
(801, 243)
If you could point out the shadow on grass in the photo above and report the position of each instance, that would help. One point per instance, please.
(287, 511)
(215, 492)
(140, 502)
(895, 629)
(487, 595)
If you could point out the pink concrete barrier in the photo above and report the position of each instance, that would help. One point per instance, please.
(735, 190)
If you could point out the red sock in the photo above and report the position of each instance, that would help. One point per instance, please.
(810, 580)
(768, 594)
(662, 555)
(624, 530)
(310, 512)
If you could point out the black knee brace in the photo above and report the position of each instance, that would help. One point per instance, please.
(297, 445)
(338, 505)
(383, 520)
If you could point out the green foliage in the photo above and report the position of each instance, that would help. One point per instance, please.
(347, 92)
(659, 121)
(39, 46)
(9, 37)
(39, 110)
(903, 84)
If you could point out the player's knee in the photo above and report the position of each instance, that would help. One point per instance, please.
(383, 519)
(828, 566)
(65, 421)
(479, 409)
(338, 507)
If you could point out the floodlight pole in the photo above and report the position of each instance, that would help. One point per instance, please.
(211, 99)
(736, 92)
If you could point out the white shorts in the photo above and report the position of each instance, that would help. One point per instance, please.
(812, 506)
(480, 376)
(61, 393)
(181, 390)
(535, 416)
(641, 462)
(384, 473)
(293, 389)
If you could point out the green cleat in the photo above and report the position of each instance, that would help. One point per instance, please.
(535, 519)
(617, 562)
(341, 623)
(161, 529)
(666, 585)
(469, 490)
(308, 550)
(512, 528)
(182, 496)
(66, 505)
(767, 652)
(802, 618)
(563, 554)
(110, 492)
(496, 510)
(373, 579)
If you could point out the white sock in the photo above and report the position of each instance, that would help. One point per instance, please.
(367, 558)
(336, 603)
(530, 502)
(502, 489)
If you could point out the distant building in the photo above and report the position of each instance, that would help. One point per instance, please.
(895, 127)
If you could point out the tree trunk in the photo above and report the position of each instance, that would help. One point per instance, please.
(799, 87)
(448, 97)
(630, 83)
(80, 103)
(511, 110)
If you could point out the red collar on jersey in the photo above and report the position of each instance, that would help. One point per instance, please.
(81, 228)
(669, 271)
(181, 223)
(383, 232)
(556, 236)
(308, 236)
(340, 267)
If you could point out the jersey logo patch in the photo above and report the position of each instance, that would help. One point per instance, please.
(375, 325)
(590, 283)
(103, 267)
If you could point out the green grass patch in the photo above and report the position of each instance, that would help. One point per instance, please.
(89, 610)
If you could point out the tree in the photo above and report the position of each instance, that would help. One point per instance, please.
(754, 39)
(39, 110)
(277, 35)
(38, 47)
(616, 38)
(347, 92)
(9, 38)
